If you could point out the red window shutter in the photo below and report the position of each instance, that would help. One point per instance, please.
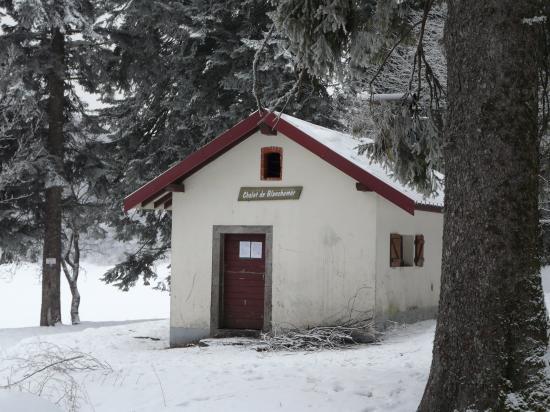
(396, 250)
(419, 250)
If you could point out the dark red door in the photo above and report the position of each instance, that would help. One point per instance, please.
(243, 281)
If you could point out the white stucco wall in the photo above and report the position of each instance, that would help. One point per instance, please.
(407, 293)
(323, 244)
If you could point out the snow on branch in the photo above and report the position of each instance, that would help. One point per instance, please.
(534, 20)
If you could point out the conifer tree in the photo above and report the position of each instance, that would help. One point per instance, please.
(185, 69)
(492, 331)
(544, 203)
(48, 48)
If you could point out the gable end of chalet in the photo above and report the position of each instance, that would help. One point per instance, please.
(157, 193)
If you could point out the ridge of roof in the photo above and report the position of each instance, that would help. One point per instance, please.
(346, 145)
(336, 148)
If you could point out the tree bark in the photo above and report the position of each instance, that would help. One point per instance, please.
(491, 332)
(72, 274)
(51, 259)
(75, 304)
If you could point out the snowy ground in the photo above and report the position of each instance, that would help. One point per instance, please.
(144, 375)
(20, 295)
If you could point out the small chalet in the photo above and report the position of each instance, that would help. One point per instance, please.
(280, 223)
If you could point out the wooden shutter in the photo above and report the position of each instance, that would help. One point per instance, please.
(396, 250)
(419, 250)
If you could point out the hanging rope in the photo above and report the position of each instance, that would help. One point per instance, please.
(255, 82)
(255, 68)
(288, 96)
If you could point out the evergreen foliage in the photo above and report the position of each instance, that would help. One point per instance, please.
(26, 167)
(372, 47)
(20, 178)
(544, 204)
(406, 133)
(491, 296)
(49, 51)
(184, 69)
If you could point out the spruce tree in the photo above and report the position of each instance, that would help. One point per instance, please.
(49, 48)
(185, 69)
(21, 121)
(544, 202)
(492, 330)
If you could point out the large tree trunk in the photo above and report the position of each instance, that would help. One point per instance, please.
(492, 326)
(51, 260)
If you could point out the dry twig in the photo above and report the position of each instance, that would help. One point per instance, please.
(50, 370)
(318, 338)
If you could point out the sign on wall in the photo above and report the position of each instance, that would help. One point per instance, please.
(270, 193)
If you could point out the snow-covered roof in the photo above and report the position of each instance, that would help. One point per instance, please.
(338, 149)
(347, 146)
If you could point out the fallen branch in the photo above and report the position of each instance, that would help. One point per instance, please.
(36, 372)
(53, 372)
(318, 338)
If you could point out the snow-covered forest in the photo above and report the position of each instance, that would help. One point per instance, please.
(99, 97)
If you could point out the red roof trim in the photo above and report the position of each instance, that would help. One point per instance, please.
(195, 161)
(241, 131)
(428, 208)
(341, 163)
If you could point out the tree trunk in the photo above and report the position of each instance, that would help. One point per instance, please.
(72, 274)
(491, 333)
(51, 260)
(75, 304)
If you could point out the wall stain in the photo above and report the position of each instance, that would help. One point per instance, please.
(192, 287)
(330, 237)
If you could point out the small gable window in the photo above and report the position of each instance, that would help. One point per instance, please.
(272, 163)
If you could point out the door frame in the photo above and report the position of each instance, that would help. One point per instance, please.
(218, 235)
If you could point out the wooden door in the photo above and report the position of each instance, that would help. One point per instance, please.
(243, 281)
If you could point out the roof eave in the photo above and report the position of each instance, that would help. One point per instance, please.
(194, 161)
(155, 188)
(341, 163)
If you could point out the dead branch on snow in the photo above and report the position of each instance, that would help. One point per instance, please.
(50, 370)
(320, 337)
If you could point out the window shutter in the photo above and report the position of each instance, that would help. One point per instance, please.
(419, 250)
(396, 250)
